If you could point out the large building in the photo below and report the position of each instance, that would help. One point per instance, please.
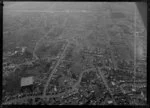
(27, 83)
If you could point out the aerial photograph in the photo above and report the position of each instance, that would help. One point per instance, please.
(74, 53)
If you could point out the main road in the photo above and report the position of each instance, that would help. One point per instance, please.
(39, 96)
(54, 69)
(108, 40)
(105, 82)
(80, 77)
(50, 95)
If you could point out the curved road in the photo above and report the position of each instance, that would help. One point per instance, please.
(50, 96)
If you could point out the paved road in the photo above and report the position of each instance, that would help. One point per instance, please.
(109, 39)
(64, 24)
(54, 70)
(31, 62)
(73, 87)
(51, 96)
(33, 97)
(105, 82)
(80, 77)
(37, 43)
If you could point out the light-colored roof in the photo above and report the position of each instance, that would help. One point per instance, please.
(110, 101)
(25, 81)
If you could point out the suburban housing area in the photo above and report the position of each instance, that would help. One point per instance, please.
(73, 53)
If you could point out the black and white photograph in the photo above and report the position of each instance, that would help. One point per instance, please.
(74, 53)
